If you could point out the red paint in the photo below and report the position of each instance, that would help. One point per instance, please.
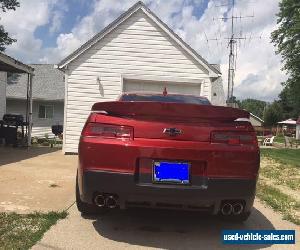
(214, 144)
(171, 110)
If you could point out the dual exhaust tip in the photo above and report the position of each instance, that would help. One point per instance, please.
(235, 208)
(110, 201)
(102, 201)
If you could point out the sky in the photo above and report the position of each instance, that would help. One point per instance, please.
(49, 30)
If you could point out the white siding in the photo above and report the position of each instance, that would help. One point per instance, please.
(255, 122)
(40, 126)
(137, 47)
(3, 82)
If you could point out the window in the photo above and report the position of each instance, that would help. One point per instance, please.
(168, 98)
(13, 78)
(46, 111)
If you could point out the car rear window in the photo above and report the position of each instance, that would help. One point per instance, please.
(167, 98)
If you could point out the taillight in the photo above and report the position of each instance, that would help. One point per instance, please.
(233, 137)
(107, 131)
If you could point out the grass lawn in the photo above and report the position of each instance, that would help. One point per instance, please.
(284, 155)
(23, 231)
(279, 139)
(279, 202)
(279, 182)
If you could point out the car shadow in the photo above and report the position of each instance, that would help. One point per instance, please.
(10, 154)
(173, 229)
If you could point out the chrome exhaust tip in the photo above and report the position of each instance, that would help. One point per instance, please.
(226, 209)
(111, 202)
(99, 200)
(237, 208)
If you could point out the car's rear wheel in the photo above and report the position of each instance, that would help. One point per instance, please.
(86, 208)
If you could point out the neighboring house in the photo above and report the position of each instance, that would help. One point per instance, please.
(10, 65)
(48, 97)
(256, 121)
(137, 52)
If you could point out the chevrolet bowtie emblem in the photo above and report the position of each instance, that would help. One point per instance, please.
(172, 131)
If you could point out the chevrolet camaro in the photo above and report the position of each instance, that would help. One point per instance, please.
(167, 151)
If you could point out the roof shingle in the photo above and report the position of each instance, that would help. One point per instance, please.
(48, 84)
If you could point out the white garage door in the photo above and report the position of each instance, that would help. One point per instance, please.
(154, 86)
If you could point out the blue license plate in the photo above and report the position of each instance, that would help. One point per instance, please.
(171, 172)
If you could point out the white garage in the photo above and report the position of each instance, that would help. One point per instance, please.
(137, 52)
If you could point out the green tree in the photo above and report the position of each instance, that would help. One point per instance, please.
(6, 5)
(272, 114)
(287, 40)
(253, 106)
(287, 103)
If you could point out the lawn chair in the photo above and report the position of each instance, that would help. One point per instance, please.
(268, 141)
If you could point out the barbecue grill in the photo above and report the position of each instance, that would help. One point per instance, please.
(57, 130)
(13, 120)
(9, 128)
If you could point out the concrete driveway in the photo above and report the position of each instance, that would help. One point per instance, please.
(42, 179)
(144, 229)
(36, 179)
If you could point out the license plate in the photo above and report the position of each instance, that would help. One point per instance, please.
(171, 172)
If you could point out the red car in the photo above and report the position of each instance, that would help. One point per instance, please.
(167, 151)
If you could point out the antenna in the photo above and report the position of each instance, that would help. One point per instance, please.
(232, 52)
(233, 41)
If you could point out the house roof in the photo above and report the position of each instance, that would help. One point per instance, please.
(257, 118)
(214, 72)
(48, 84)
(9, 64)
(288, 122)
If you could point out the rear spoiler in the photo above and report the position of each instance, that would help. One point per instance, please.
(124, 108)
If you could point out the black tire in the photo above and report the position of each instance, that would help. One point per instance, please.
(86, 208)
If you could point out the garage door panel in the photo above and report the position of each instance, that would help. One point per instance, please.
(172, 88)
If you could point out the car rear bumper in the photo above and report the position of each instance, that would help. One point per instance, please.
(132, 190)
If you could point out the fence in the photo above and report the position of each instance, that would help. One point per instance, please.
(265, 131)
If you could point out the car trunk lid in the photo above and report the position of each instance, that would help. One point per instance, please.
(171, 121)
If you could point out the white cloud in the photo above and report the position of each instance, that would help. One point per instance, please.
(56, 21)
(21, 25)
(258, 72)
